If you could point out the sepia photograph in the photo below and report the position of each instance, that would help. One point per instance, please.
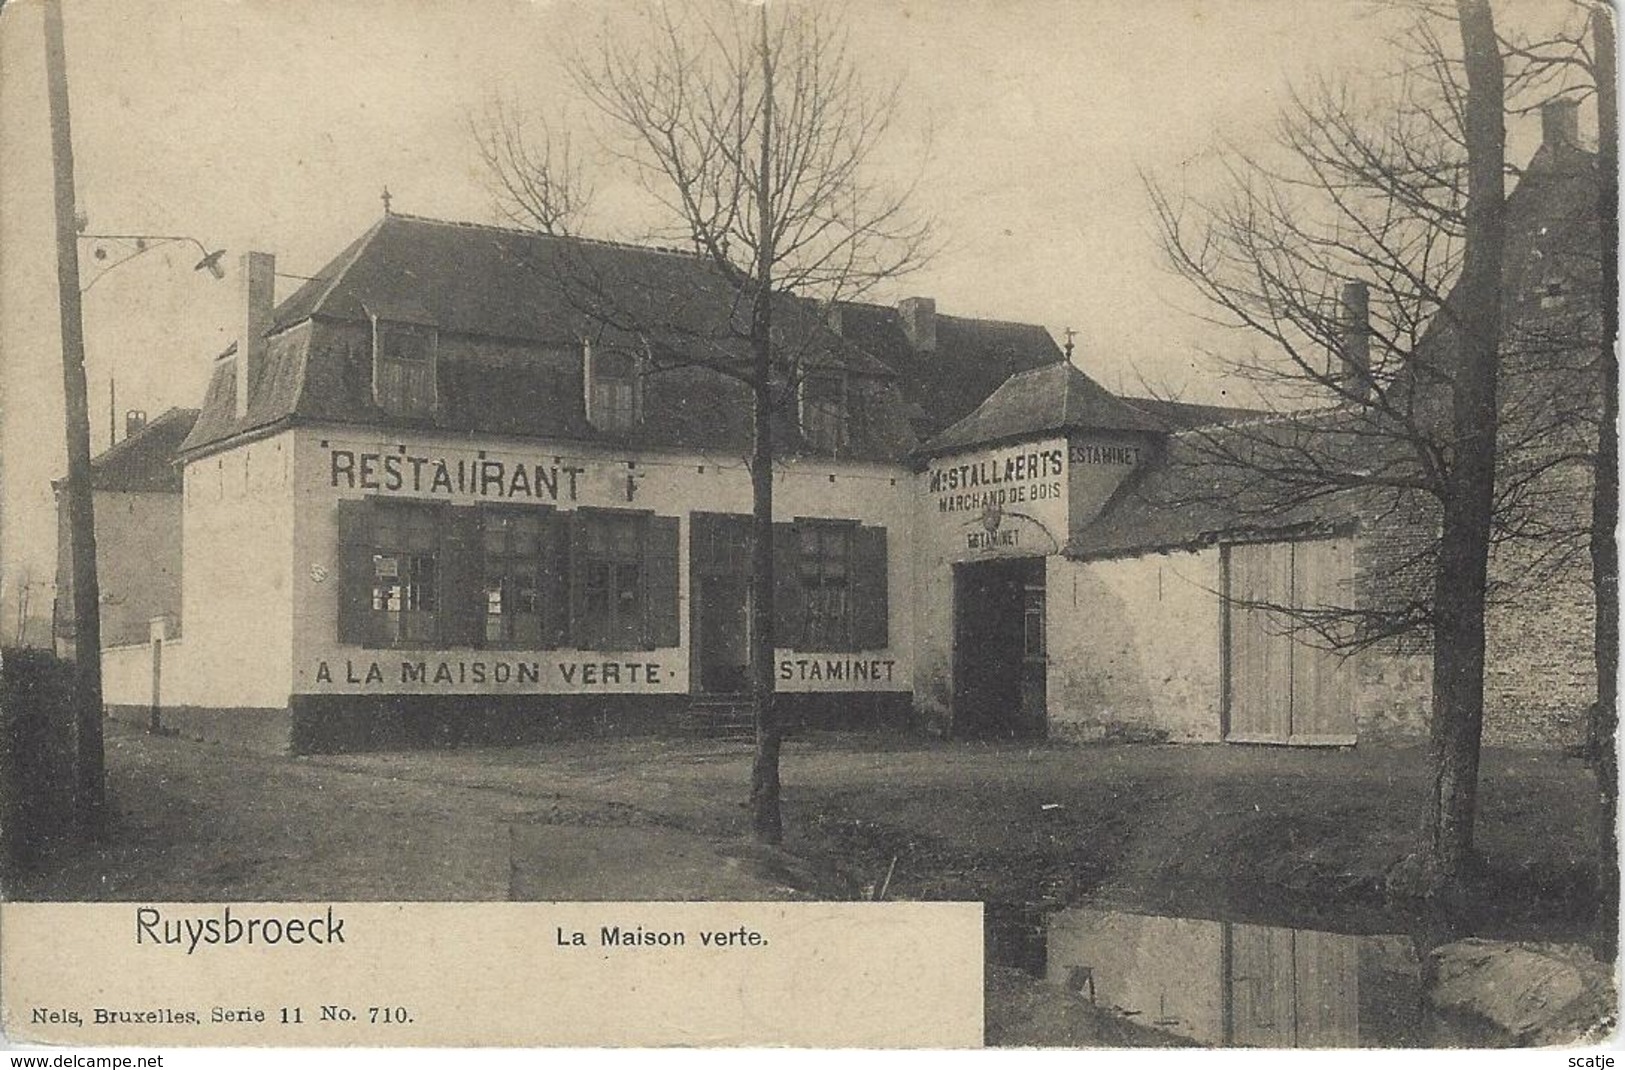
(1143, 473)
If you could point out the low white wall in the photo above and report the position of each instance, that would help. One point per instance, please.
(1134, 644)
(127, 675)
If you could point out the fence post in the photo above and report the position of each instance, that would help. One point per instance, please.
(158, 631)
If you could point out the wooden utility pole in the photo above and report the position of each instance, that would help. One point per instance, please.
(90, 786)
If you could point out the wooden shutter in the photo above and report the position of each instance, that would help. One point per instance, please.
(462, 578)
(870, 601)
(576, 540)
(661, 627)
(555, 579)
(789, 609)
(354, 524)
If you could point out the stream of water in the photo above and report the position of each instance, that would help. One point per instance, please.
(1232, 984)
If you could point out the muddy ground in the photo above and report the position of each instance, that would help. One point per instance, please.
(1285, 837)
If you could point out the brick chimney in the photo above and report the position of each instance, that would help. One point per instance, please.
(919, 315)
(1560, 124)
(257, 278)
(1356, 340)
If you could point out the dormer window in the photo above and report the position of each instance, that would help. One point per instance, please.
(823, 411)
(403, 367)
(612, 389)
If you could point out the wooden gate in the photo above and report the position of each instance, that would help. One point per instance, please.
(1282, 683)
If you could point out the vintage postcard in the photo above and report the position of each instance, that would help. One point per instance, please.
(897, 524)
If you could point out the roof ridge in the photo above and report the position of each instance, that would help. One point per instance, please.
(357, 249)
(130, 441)
(584, 239)
(994, 322)
(1265, 417)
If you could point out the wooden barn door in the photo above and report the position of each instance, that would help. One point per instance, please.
(1282, 683)
(1261, 642)
(1322, 695)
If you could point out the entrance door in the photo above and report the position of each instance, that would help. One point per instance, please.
(724, 634)
(1283, 682)
(999, 659)
(719, 597)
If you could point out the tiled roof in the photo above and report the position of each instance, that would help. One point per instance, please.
(1195, 490)
(146, 460)
(1055, 398)
(539, 294)
(972, 357)
(1180, 415)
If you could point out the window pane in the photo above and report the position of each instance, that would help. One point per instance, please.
(825, 572)
(611, 577)
(404, 342)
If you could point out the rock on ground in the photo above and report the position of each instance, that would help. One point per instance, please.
(1538, 994)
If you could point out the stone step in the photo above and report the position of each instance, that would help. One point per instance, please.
(721, 719)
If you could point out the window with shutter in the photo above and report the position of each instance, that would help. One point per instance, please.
(612, 389)
(825, 568)
(519, 577)
(824, 411)
(404, 596)
(608, 580)
(403, 368)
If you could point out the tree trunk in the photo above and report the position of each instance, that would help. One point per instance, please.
(1458, 630)
(766, 823)
(766, 820)
(1604, 721)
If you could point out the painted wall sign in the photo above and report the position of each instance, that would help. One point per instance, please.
(453, 675)
(1095, 453)
(479, 477)
(989, 540)
(807, 669)
(1007, 477)
(1100, 461)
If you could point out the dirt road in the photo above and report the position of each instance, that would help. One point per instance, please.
(1298, 835)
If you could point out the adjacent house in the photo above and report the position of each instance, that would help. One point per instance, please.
(137, 498)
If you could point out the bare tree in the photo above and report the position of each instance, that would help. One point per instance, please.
(535, 177)
(1464, 542)
(1387, 396)
(753, 133)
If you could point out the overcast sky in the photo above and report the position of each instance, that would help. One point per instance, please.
(275, 125)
